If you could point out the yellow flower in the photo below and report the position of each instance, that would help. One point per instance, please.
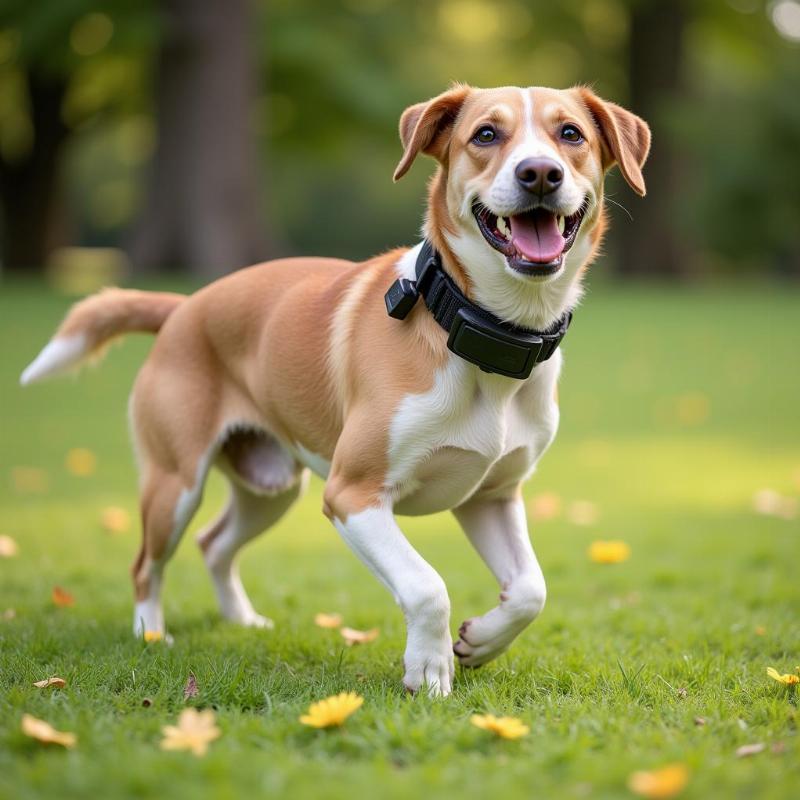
(332, 710)
(153, 636)
(788, 678)
(323, 620)
(505, 727)
(81, 462)
(195, 731)
(660, 783)
(44, 732)
(612, 552)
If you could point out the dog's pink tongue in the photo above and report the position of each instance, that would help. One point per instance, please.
(536, 236)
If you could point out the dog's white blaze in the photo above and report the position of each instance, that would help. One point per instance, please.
(417, 588)
(406, 265)
(57, 356)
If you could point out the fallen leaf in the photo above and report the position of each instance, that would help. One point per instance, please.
(324, 620)
(666, 782)
(153, 636)
(352, 636)
(59, 683)
(504, 727)
(115, 519)
(750, 750)
(80, 462)
(546, 505)
(609, 552)
(8, 547)
(44, 732)
(773, 504)
(692, 408)
(332, 711)
(582, 512)
(61, 597)
(699, 721)
(190, 690)
(29, 480)
(195, 731)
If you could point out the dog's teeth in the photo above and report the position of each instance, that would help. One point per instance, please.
(562, 221)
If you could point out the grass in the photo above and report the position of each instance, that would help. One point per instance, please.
(676, 407)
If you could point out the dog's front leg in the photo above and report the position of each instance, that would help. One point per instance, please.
(499, 532)
(418, 589)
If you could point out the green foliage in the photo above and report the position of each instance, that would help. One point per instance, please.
(610, 678)
(335, 75)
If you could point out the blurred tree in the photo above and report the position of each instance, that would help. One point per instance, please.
(648, 245)
(202, 208)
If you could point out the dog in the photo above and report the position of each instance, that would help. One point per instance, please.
(421, 380)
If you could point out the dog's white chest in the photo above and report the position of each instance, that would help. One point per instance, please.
(471, 431)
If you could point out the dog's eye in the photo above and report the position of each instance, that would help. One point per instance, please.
(486, 134)
(571, 134)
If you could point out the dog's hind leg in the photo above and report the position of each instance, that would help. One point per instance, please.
(167, 508)
(264, 482)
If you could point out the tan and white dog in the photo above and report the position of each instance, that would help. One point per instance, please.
(295, 365)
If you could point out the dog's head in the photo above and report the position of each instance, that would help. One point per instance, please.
(519, 195)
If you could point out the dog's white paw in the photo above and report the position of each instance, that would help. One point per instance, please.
(433, 669)
(479, 643)
(256, 621)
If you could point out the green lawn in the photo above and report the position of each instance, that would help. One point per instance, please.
(677, 406)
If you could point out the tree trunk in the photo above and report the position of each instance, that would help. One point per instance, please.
(650, 245)
(202, 211)
(30, 186)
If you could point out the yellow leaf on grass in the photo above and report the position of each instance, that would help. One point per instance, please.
(115, 519)
(787, 679)
(80, 462)
(29, 480)
(332, 710)
(504, 727)
(44, 732)
(61, 597)
(610, 552)
(8, 547)
(324, 620)
(353, 636)
(59, 683)
(546, 505)
(666, 782)
(195, 731)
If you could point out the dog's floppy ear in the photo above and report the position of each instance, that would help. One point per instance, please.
(626, 137)
(425, 127)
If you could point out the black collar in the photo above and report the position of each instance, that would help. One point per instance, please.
(476, 334)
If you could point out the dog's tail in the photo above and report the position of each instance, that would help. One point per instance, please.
(94, 322)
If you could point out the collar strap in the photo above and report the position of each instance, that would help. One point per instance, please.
(476, 334)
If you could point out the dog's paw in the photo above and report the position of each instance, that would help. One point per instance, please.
(253, 620)
(477, 644)
(433, 670)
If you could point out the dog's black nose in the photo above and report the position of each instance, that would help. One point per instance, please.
(539, 175)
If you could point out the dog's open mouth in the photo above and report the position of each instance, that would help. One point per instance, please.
(533, 242)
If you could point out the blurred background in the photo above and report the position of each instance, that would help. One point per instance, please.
(188, 136)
